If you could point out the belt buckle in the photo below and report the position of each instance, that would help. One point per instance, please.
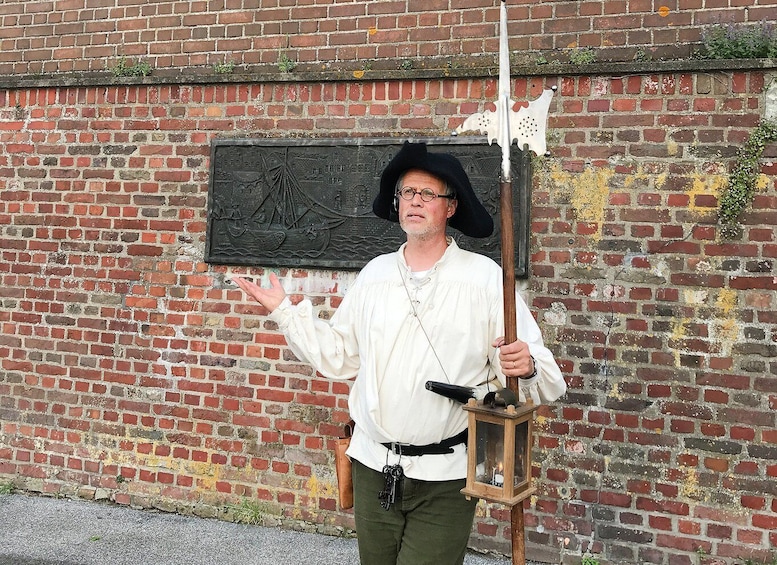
(396, 448)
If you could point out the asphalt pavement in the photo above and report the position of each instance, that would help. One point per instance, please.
(40, 530)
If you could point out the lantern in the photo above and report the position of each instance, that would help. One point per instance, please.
(499, 452)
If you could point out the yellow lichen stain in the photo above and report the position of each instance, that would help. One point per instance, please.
(658, 180)
(679, 332)
(317, 488)
(726, 301)
(724, 328)
(727, 328)
(205, 474)
(704, 185)
(678, 328)
(312, 486)
(762, 183)
(589, 198)
(590, 192)
(615, 392)
(689, 487)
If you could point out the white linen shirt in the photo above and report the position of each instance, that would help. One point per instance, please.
(393, 332)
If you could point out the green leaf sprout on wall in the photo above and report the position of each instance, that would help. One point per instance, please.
(285, 63)
(124, 68)
(224, 68)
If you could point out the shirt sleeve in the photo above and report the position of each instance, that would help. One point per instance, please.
(331, 348)
(549, 384)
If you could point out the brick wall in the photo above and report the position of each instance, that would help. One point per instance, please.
(40, 37)
(128, 371)
(674, 387)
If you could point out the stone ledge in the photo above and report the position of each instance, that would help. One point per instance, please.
(473, 67)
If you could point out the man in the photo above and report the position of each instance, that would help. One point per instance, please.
(430, 311)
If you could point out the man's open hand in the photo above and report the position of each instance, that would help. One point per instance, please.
(270, 298)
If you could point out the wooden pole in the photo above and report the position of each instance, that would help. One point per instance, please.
(508, 267)
(511, 334)
(516, 529)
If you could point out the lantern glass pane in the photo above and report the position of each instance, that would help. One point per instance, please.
(490, 453)
(521, 436)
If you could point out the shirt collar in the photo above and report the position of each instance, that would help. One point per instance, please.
(450, 251)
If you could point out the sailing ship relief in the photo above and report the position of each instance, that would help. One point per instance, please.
(294, 205)
(268, 209)
(308, 203)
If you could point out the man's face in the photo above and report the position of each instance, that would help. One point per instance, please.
(421, 219)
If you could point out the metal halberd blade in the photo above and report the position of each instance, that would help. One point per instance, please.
(526, 126)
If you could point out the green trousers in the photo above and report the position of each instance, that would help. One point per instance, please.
(429, 523)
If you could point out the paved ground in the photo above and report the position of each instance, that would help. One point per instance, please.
(37, 530)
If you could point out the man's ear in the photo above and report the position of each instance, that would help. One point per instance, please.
(393, 214)
(452, 207)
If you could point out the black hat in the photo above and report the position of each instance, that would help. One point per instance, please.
(471, 217)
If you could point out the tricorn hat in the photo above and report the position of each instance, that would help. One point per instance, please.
(471, 217)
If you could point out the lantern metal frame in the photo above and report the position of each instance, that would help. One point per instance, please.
(516, 443)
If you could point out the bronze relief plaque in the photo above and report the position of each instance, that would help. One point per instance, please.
(307, 203)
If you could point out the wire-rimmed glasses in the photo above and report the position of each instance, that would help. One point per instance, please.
(427, 194)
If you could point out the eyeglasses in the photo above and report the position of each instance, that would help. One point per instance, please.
(427, 194)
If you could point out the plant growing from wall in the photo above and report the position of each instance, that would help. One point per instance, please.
(285, 64)
(757, 41)
(249, 512)
(641, 55)
(124, 68)
(743, 179)
(224, 68)
(582, 56)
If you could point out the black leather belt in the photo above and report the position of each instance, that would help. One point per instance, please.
(445, 446)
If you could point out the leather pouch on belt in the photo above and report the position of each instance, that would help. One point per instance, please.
(343, 468)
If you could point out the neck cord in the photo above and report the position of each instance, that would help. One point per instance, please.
(415, 315)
